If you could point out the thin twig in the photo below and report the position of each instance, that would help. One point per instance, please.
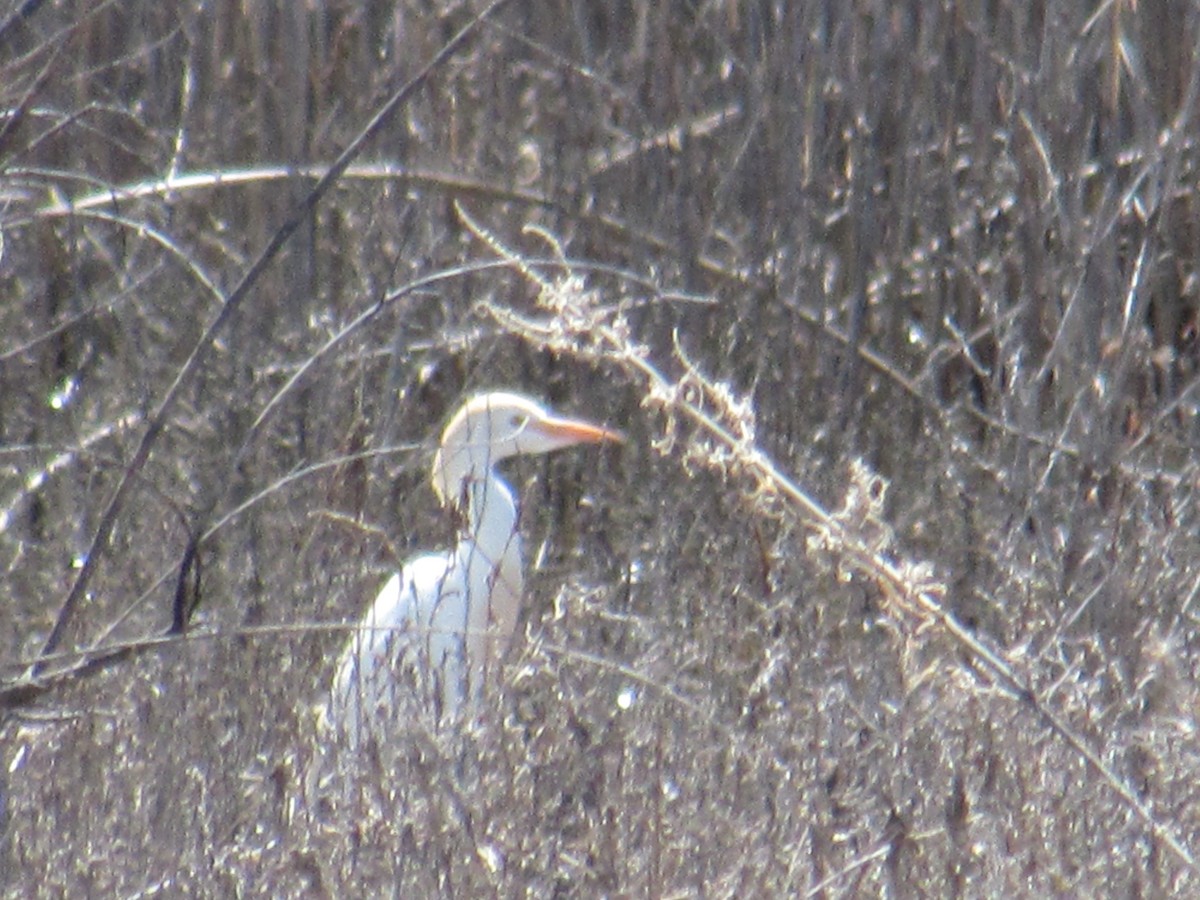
(590, 331)
(204, 346)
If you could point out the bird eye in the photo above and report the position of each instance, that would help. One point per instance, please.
(518, 422)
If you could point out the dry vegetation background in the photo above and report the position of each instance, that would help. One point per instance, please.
(956, 241)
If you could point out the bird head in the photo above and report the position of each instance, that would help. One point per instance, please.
(494, 426)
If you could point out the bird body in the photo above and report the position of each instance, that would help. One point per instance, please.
(444, 622)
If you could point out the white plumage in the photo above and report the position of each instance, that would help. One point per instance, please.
(442, 624)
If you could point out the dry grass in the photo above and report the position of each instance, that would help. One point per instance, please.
(890, 591)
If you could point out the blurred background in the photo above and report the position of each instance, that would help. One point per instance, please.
(955, 240)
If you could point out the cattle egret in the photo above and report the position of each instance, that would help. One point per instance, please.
(446, 619)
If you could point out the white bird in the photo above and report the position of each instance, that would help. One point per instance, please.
(442, 624)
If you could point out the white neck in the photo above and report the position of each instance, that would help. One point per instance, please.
(491, 514)
(490, 547)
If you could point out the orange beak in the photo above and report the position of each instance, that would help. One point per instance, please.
(566, 432)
